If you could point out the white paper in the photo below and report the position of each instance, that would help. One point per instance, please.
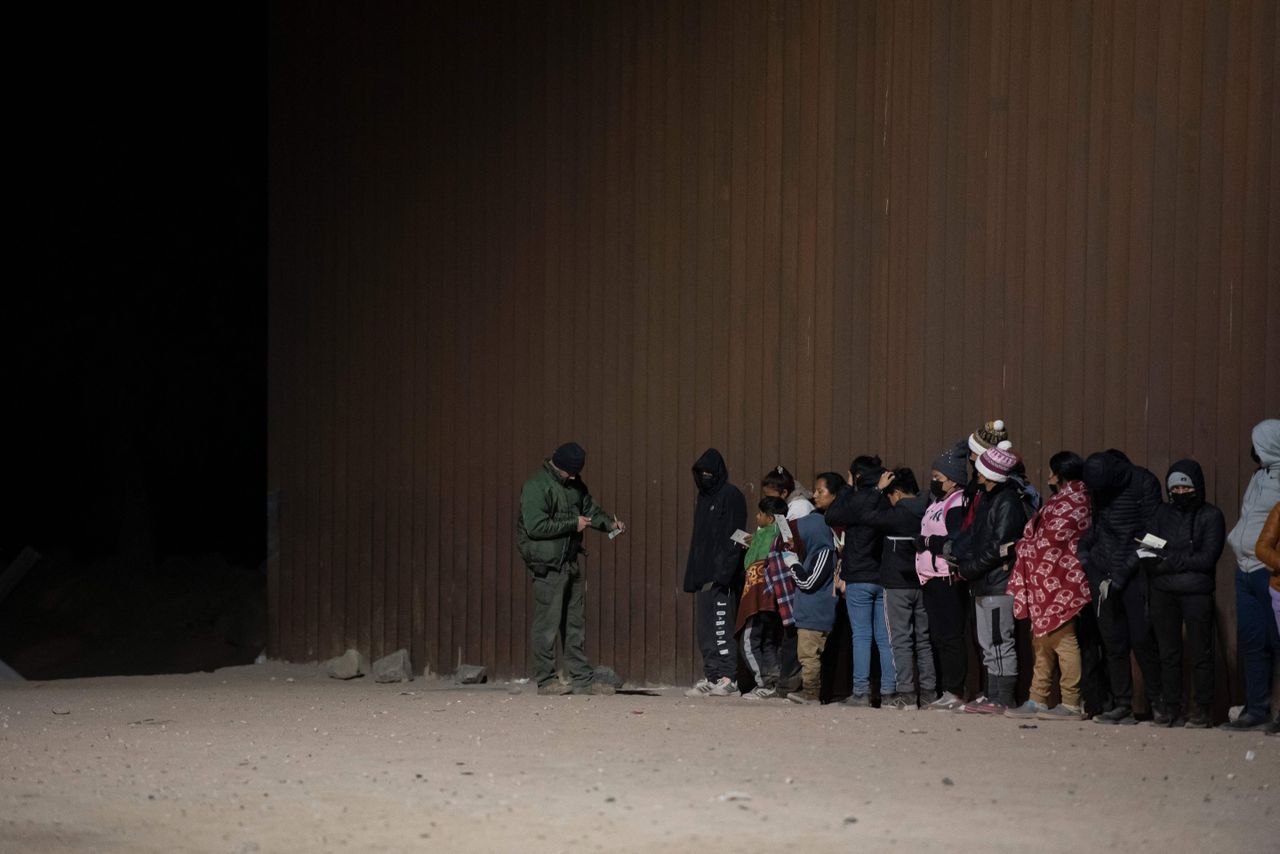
(1152, 541)
(783, 528)
(741, 537)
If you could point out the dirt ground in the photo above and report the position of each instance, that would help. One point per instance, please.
(279, 757)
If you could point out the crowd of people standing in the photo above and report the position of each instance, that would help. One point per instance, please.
(1111, 565)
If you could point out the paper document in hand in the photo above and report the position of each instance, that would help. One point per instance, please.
(783, 528)
(615, 533)
(741, 537)
(1153, 541)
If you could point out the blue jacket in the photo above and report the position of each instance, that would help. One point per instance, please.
(814, 607)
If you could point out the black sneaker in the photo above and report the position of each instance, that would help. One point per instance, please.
(1247, 722)
(896, 701)
(1120, 715)
(1168, 716)
(601, 689)
(554, 688)
(1273, 728)
(1199, 720)
(857, 700)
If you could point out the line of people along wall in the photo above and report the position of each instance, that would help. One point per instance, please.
(1112, 564)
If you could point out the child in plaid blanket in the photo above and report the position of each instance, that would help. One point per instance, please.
(767, 594)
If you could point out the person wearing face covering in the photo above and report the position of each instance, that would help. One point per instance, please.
(1182, 580)
(1257, 638)
(713, 571)
(1125, 496)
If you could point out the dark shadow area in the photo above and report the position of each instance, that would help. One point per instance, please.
(136, 351)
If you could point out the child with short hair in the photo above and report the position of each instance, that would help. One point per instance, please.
(759, 623)
(815, 602)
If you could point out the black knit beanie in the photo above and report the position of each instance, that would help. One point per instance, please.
(569, 457)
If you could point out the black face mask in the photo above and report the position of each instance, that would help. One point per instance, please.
(1253, 452)
(1185, 501)
(936, 490)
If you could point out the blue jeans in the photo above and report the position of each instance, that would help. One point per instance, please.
(867, 619)
(1257, 639)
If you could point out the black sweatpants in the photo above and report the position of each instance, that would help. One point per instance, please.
(1095, 684)
(1169, 611)
(946, 603)
(1126, 628)
(715, 613)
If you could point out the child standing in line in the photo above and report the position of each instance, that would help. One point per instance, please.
(759, 624)
(1049, 588)
(816, 601)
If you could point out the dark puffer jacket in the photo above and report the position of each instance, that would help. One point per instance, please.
(862, 543)
(1196, 536)
(1125, 497)
(997, 527)
(900, 525)
(713, 557)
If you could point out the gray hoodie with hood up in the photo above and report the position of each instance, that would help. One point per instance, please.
(1260, 496)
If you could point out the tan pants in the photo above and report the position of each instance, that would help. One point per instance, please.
(809, 647)
(1060, 647)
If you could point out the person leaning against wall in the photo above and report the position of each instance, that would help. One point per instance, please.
(555, 508)
(1257, 637)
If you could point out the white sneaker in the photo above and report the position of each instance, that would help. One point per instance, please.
(948, 702)
(701, 688)
(760, 693)
(725, 687)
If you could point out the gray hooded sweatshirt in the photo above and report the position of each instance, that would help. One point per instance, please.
(1259, 497)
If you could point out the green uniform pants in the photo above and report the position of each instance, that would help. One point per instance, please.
(558, 612)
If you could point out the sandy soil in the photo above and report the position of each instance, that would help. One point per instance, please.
(280, 758)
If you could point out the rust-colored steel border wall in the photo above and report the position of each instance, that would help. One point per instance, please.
(796, 231)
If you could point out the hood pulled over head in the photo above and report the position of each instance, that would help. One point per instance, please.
(1107, 473)
(710, 472)
(1179, 473)
(1266, 441)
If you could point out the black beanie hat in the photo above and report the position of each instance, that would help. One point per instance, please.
(569, 457)
(955, 466)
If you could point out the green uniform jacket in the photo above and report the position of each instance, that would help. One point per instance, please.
(547, 530)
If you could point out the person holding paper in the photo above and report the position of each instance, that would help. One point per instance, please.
(760, 621)
(712, 573)
(1125, 496)
(555, 508)
(1182, 579)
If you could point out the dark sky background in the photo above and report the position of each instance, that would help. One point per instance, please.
(136, 321)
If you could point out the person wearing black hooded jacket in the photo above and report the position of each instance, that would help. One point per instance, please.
(1181, 575)
(903, 595)
(712, 572)
(860, 578)
(1125, 497)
